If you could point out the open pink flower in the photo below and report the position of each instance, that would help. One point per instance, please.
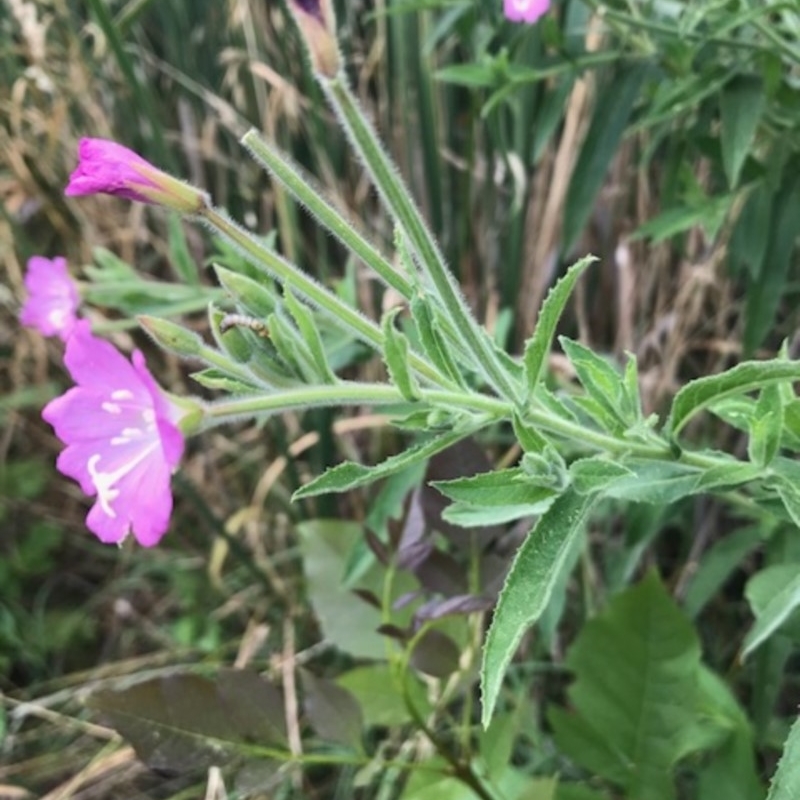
(121, 436)
(52, 297)
(525, 10)
(106, 167)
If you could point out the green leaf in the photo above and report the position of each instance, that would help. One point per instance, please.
(718, 565)
(656, 482)
(395, 355)
(749, 376)
(783, 590)
(636, 671)
(179, 256)
(611, 115)
(786, 782)
(502, 487)
(350, 475)
(477, 76)
(595, 473)
(432, 342)
(528, 587)
(766, 426)
(345, 619)
(311, 336)
(764, 293)
(741, 105)
(602, 381)
(537, 348)
(381, 700)
(751, 233)
(469, 516)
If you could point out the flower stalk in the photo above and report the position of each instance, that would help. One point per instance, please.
(397, 198)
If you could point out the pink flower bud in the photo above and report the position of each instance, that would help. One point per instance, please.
(317, 23)
(105, 167)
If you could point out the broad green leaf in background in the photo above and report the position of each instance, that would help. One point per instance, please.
(656, 482)
(537, 348)
(635, 694)
(749, 376)
(380, 698)
(773, 594)
(742, 102)
(529, 585)
(333, 711)
(346, 620)
(765, 292)
(717, 565)
(185, 721)
(786, 782)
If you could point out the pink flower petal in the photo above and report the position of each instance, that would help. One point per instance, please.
(525, 10)
(122, 441)
(52, 297)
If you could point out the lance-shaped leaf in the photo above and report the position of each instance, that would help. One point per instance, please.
(310, 332)
(538, 346)
(749, 376)
(529, 585)
(432, 342)
(786, 783)
(350, 475)
(395, 354)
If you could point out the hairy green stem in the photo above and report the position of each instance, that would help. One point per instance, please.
(292, 176)
(389, 184)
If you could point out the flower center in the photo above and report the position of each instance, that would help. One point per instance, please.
(145, 435)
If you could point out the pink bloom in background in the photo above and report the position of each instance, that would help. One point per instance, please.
(525, 10)
(52, 297)
(106, 167)
(121, 436)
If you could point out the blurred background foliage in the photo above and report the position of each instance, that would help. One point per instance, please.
(663, 136)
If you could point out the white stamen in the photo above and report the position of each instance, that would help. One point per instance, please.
(104, 481)
(122, 394)
(111, 408)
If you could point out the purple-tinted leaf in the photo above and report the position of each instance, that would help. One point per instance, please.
(442, 574)
(405, 600)
(461, 604)
(377, 546)
(368, 597)
(333, 711)
(435, 654)
(393, 632)
(411, 556)
(463, 459)
(184, 722)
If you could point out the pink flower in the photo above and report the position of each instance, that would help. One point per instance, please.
(525, 10)
(121, 436)
(105, 167)
(52, 297)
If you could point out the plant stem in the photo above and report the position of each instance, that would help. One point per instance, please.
(286, 272)
(300, 185)
(387, 180)
(347, 393)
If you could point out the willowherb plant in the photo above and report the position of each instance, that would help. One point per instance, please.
(124, 435)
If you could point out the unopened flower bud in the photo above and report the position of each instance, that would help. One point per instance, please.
(317, 23)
